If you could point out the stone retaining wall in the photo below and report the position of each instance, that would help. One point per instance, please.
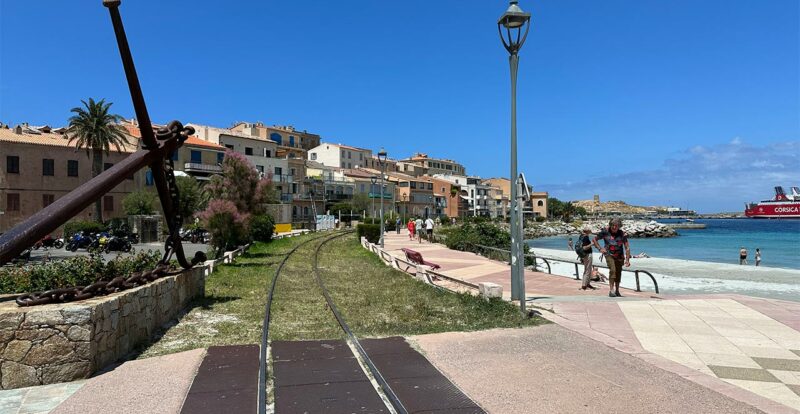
(64, 342)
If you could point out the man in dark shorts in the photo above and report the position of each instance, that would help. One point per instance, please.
(616, 249)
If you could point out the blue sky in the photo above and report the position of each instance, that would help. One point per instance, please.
(626, 99)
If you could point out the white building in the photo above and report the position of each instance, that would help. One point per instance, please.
(339, 156)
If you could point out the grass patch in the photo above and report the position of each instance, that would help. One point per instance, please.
(377, 300)
(374, 299)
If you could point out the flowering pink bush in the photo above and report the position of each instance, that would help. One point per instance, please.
(227, 225)
(238, 182)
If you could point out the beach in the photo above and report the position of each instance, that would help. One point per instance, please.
(677, 276)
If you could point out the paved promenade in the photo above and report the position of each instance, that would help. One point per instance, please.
(639, 353)
(743, 347)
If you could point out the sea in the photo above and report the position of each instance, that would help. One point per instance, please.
(719, 242)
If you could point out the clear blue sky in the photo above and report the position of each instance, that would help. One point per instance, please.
(688, 103)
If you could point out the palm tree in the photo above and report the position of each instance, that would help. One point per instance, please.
(96, 130)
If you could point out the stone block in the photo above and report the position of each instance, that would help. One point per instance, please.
(83, 350)
(16, 350)
(16, 375)
(78, 333)
(10, 320)
(43, 317)
(77, 315)
(55, 350)
(490, 290)
(36, 334)
(69, 371)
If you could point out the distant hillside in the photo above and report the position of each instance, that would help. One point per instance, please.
(592, 206)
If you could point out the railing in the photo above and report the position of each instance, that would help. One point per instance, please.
(209, 168)
(532, 260)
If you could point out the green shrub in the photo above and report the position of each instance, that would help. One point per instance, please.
(73, 227)
(540, 219)
(139, 202)
(389, 226)
(371, 231)
(485, 233)
(262, 227)
(75, 271)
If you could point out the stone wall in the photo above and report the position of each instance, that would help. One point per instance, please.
(64, 342)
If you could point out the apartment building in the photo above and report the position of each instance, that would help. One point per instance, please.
(374, 163)
(448, 198)
(37, 168)
(291, 143)
(339, 156)
(414, 196)
(421, 164)
(536, 206)
(362, 184)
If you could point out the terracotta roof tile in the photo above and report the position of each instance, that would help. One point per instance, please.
(53, 140)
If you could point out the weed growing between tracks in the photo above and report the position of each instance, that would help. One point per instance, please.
(377, 300)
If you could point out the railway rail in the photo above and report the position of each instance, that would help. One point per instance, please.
(376, 356)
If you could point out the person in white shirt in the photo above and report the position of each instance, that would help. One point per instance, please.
(429, 228)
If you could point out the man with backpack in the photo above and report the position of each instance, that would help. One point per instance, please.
(584, 250)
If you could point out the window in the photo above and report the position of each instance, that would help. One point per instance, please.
(197, 157)
(107, 165)
(148, 177)
(72, 168)
(12, 202)
(540, 204)
(48, 166)
(276, 137)
(248, 151)
(268, 154)
(292, 172)
(294, 188)
(260, 169)
(313, 156)
(343, 164)
(360, 156)
(430, 186)
(12, 164)
(413, 184)
(230, 147)
(278, 171)
(291, 140)
(108, 203)
(47, 199)
(220, 157)
(349, 155)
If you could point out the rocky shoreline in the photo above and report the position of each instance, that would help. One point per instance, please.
(633, 228)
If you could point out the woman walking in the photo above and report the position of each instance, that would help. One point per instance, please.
(585, 254)
(616, 249)
(411, 228)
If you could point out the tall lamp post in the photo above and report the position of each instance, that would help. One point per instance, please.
(516, 24)
(374, 180)
(382, 159)
(405, 207)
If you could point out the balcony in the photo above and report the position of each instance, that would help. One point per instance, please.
(287, 197)
(193, 167)
(282, 178)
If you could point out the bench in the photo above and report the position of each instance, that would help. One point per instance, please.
(415, 257)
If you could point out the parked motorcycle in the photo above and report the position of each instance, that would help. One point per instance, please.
(115, 244)
(48, 242)
(80, 240)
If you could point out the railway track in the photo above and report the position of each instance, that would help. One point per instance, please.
(371, 375)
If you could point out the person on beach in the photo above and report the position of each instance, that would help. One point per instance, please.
(616, 249)
(411, 228)
(758, 257)
(742, 256)
(585, 254)
(570, 245)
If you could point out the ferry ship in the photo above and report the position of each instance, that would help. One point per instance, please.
(782, 206)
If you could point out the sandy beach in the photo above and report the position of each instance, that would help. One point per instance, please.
(676, 276)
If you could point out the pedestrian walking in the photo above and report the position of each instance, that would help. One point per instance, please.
(584, 251)
(616, 249)
(397, 225)
(742, 256)
(758, 257)
(420, 228)
(570, 244)
(410, 226)
(429, 229)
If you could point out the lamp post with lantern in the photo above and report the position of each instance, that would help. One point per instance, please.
(516, 24)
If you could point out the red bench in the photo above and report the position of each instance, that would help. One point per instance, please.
(415, 257)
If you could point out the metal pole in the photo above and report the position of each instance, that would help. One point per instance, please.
(517, 266)
(372, 196)
(383, 171)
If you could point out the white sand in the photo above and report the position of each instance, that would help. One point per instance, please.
(688, 276)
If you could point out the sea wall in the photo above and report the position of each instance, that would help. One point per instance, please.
(63, 342)
(633, 228)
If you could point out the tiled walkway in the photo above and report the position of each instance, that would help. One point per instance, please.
(714, 340)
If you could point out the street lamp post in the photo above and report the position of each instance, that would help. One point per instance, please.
(382, 159)
(516, 24)
(374, 180)
(405, 207)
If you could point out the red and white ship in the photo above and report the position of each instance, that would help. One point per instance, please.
(782, 206)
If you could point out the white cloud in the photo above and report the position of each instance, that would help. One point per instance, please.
(707, 179)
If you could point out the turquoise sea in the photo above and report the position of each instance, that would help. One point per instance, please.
(720, 241)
